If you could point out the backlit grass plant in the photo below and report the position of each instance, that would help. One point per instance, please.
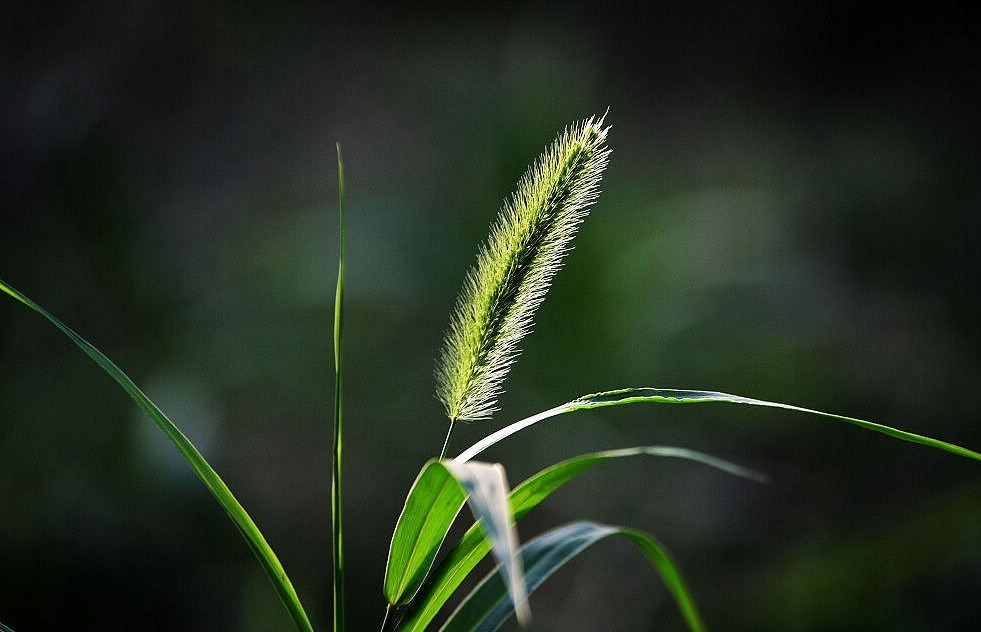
(494, 311)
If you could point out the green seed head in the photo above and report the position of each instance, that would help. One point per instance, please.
(514, 269)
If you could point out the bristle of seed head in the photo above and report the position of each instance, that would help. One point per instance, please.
(515, 267)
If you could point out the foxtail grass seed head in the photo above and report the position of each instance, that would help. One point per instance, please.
(515, 267)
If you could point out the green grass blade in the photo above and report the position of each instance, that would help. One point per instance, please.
(473, 547)
(267, 558)
(431, 507)
(336, 504)
(4, 628)
(489, 498)
(488, 606)
(676, 396)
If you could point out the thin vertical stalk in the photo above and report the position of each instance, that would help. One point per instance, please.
(446, 441)
(336, 495)
(388, 611)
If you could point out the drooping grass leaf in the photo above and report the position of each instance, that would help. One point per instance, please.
(515, 267)
(4, 628)
(489, 498)
(676, 396)
(263, 552)
(336, 504)
(473, 547)
(430, 508)
(488, 606)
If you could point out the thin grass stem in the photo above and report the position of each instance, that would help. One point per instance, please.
(446, 441)
(336, 489)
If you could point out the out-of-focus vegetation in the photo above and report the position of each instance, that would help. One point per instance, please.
(793, 213)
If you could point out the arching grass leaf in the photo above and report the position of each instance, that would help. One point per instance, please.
(473, 547)
(488, 606)
(488, 488)
(431, 507)
(676, 396)
(263, 552)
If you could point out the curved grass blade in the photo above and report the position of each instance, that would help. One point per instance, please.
(431, 507)
(4, 628)
(489, 499)
(263, 552)
(488, 606)
(336, 496)
(473, 547)
(677, 396)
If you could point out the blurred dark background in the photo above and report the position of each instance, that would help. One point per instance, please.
(793, 212)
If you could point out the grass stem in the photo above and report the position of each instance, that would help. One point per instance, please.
(446, 441)
(388, 611)
(336, 495)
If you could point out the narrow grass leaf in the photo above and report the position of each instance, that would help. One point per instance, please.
(432, 505)
(488, 488)
(4, 628)
(263, 552)
(473, 547)
(515, 267)
(488, 607)
(337, 497)
(675, 396)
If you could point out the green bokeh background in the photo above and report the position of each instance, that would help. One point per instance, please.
(792, 212)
